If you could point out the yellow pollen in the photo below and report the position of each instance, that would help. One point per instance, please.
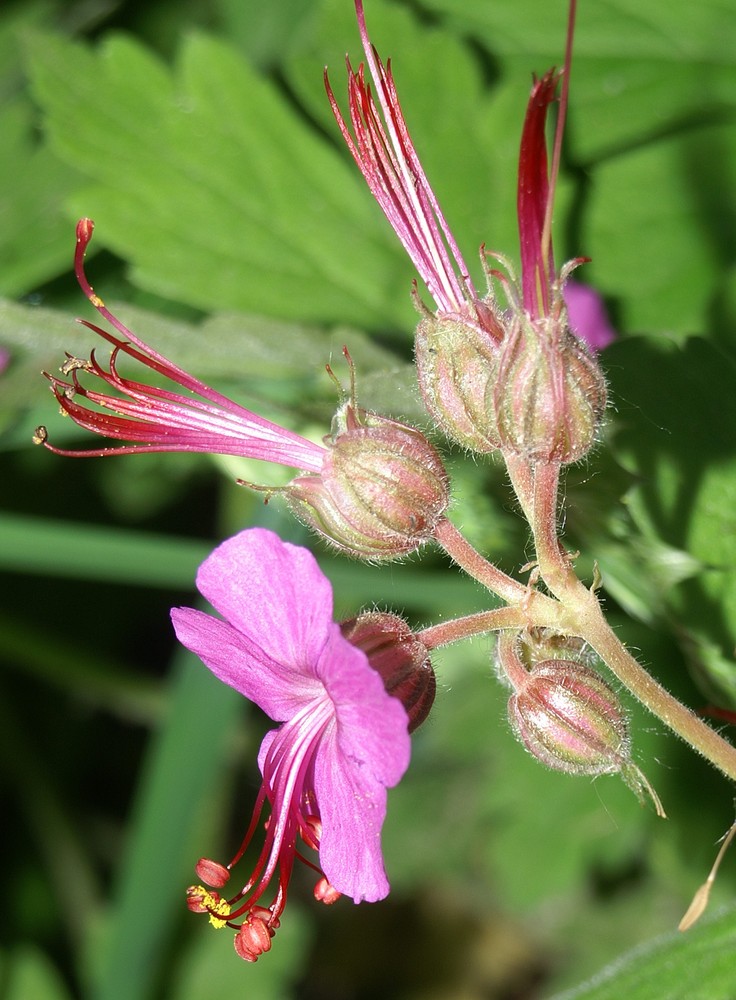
(221, 907)
(97, 301)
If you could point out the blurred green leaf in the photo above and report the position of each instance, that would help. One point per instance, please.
(265, 32)
(174, 793)
(120, 555)
(675, 406)
(675, 410)
(28, 973)
(704, 612)
(695, 966)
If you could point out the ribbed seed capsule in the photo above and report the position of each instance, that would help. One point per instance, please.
(570, 719)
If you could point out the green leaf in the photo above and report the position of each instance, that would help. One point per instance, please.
(705, 615)
(675, 408)
(636, 71)
(213, 187)
(675, 404)
(695, 966)
(657, 232)
(35, 240)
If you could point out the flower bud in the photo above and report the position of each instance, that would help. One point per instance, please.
(563, 711)
(399, 657)
(548, 394)
(570, 719)
(455, 362)
(381, 491)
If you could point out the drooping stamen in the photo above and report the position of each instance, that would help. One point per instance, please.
(285, 769)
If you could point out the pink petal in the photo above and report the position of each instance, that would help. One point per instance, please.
(365, 752)
(237, 660)
(272, 592)
(353, 808)
(587, 316)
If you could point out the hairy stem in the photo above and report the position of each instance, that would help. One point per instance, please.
(514, 617)
(585, 616)
(468, 558)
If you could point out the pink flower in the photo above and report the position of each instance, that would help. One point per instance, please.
(341, 743)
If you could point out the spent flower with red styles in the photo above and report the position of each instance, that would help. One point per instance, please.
(375, 487)
(513, 378)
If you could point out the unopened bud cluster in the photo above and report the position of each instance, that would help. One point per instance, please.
(525, 386)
